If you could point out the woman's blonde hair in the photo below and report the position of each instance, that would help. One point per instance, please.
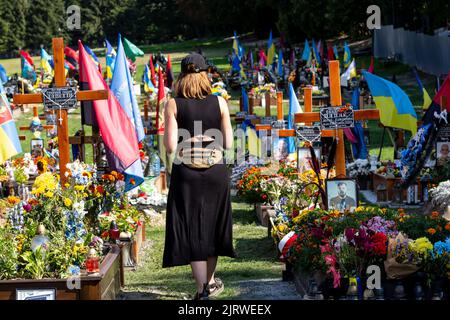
(195, 85)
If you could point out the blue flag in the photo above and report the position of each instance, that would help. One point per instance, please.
(122, 87)
(236, 63)
(3, 76)
(244, 99)
(359, 148)
(306, 51)
(280, 63)
(28, 70)
(294, 107)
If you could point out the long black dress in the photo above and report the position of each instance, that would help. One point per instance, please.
(199, 218)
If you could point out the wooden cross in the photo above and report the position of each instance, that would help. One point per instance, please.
(62, 121)
(336, 100)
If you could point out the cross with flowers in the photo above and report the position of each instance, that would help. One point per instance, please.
(309, 117)
(62, 124)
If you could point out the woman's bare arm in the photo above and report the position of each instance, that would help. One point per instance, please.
(227, 130)
(171, 126)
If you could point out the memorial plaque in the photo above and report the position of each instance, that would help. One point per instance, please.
(336, 118)
(308, 133)
(59, 98)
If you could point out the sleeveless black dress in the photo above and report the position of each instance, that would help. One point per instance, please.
(199, 218)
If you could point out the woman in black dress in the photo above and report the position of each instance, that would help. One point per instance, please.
(199, 218)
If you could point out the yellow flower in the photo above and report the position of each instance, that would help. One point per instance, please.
(67, 202)
(48, 194)
(79, 188)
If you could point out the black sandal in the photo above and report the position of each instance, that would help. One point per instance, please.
(204, 295)
(216, 288)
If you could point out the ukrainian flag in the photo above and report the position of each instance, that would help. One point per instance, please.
(316, 52)
(426, 97)
(9, 139)
(347, 55)
(148, 84)
(396, 110)
(270, 51)
(45, 62)
(110, 59)
(238, 49)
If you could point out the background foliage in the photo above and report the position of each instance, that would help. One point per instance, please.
(30, 23)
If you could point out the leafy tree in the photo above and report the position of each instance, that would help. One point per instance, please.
(46, 19)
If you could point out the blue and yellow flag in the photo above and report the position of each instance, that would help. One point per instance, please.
(306, 51)
(9, 139)
(396, 110)
(110, 59)
(270, 50)
(237, 66)
(316, 52)
(347, 55)
(336, 53)
(92, 55)
(426, 97)
(237, 48)
(46, 62)
(148, 84)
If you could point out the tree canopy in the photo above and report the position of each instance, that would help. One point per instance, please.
(32, 23)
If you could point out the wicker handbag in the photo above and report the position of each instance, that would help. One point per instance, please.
(200, 158)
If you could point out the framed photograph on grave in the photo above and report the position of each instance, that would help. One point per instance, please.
(342, 194)
(442, 153)
(36, 294)
(37, 147)
(304, 158)
(279, 149)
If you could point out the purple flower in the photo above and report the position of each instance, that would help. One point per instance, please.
(27, 207)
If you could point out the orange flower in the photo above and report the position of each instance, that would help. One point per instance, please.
(114, 173)
(13, 200)
(447, 226)
(435, 215)
(431, 231)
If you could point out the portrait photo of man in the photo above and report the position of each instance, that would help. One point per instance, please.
(443, 149)
(341, 195)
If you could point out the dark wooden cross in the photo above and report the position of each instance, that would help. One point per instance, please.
(62, 121)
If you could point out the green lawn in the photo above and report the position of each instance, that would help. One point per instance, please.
(257, 259)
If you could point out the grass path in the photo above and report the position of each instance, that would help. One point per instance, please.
(257, 259)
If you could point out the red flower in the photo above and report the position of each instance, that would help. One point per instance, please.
(379, 243)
